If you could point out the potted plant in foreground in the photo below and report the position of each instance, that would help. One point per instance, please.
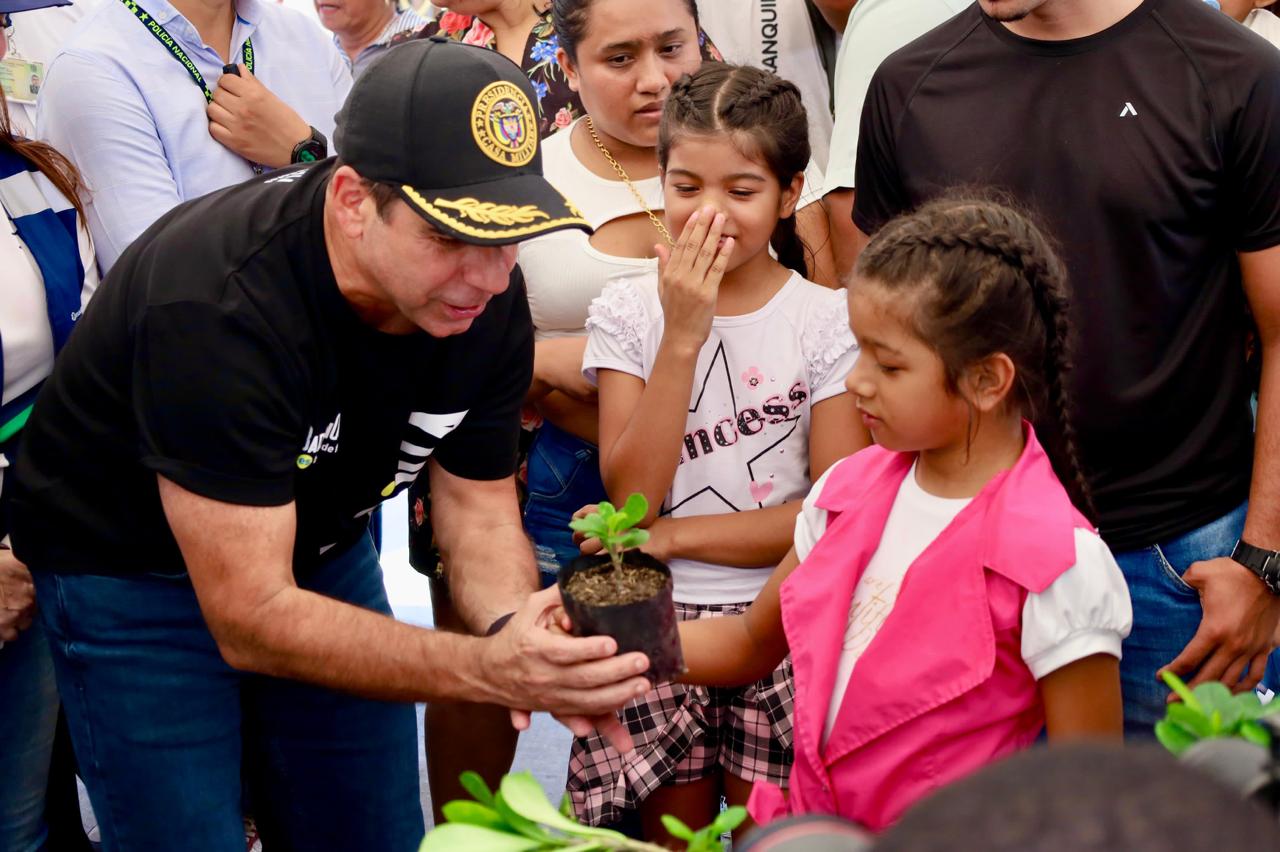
(519, 818)
(623, 592)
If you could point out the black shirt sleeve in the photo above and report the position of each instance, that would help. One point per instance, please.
(878, 191)
(215, 398)
(1253, 161)
(484, 446)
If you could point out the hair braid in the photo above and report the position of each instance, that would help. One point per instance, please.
(997, 285)
(761, 113)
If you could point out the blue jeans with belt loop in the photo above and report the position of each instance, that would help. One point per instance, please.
(159, 722)
(1166, 612)
(564, 476)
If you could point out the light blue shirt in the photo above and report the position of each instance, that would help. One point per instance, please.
(127, 113)
(401, 28)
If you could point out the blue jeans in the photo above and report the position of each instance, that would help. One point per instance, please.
(160, 723)
(28, 717)
(564, 476)
(1166, 612)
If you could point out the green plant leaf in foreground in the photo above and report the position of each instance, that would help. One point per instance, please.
(461, 837)
(473, 813)
(635, 509)
(676, 828)
(729, 819)
(1180, 689)
(476, 786)
(523, 794)
(1174, 737)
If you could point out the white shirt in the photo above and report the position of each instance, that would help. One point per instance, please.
(563, 272)
(876, 28)
(1265, 24)
(746, 443)
(25, 335)
(126, 112)
(1086, 611)
(776, 35)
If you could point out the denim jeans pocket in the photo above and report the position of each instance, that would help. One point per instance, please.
(554, 466)
(1172, 574)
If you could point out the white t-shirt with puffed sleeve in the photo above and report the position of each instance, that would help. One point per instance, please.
(758, 376)
(1086, 611)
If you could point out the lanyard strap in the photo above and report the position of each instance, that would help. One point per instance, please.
(171, 44)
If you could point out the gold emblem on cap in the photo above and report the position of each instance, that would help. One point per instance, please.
(504, 125)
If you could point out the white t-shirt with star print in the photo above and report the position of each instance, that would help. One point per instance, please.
(746, 442)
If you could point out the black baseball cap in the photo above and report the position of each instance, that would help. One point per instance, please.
(453, 128)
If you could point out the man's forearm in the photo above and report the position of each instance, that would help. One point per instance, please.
(305, 636)
(491, 572)
(1262, 526)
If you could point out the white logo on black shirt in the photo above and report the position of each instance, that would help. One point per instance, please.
(415, 450)
(287, 177)
(1128, 110)
(326, 442)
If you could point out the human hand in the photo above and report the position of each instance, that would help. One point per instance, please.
(532, 667)
(557, 365)
(1237, 629)
(248, 118)
(689, 278)
(17, 597)
(661, 544)
(556, 620)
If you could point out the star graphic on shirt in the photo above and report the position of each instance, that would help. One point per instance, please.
(718, 371)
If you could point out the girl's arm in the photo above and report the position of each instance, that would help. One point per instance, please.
(642, 423)
(1082, 700)
(739, 649)
(761, 537)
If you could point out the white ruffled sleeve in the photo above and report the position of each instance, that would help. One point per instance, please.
(811, 523)
(1085, 612)
(617, 323)
(829, 348)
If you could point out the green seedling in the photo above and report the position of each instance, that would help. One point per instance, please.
(519, 818)
(615, 528)
(1210, 710)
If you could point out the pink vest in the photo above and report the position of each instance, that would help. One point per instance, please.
(942, 689)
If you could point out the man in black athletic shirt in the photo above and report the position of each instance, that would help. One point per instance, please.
(1147, 134)
(265, 365)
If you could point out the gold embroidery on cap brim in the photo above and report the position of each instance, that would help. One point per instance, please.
(472, 231)
(487, 212)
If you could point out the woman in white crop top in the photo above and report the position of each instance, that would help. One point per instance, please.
(606, 163)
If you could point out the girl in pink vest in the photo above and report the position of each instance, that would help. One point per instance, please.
(945, 601)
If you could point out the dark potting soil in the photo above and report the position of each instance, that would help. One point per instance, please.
(606, 586)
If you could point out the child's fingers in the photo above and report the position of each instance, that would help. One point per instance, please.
(708, 250)
(721, 263)
(691, 239)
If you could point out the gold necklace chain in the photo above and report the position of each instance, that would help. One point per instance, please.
(617, 167)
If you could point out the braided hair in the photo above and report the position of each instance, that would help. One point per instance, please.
(985, 279)
(756, 106)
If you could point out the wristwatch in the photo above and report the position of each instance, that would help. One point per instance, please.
(314, 147)
(1264, 563)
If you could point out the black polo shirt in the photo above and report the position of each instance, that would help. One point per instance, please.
(220, 354)
(1152, 151)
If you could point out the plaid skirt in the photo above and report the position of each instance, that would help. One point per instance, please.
(684, 733)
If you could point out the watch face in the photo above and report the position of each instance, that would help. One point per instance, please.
(307, 155)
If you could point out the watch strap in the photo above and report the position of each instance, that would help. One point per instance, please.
(1264, 563)
(315, 147)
